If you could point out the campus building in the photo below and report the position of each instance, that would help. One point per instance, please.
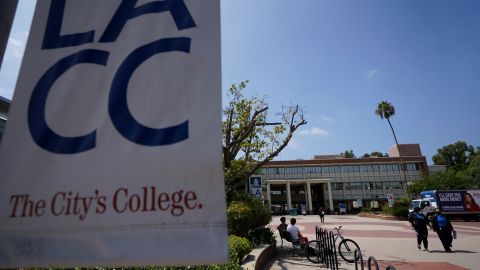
(333, 181)
(4, 106)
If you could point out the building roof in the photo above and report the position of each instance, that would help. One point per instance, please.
(344, 161)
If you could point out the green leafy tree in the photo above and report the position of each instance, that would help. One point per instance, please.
(448, 180)
(250, 138)
(375, 154)
(456, 156)
(463, 169)
(385, 110)
(473, 169)
(348, 154)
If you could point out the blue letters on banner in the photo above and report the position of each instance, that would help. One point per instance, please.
(117, 102)
(118, 109)
(41, 133)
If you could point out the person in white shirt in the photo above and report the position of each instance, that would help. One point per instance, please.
(295, 232)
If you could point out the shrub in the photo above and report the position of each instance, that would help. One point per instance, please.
(400, 207)
(262, 235)
(246, 215)
(238, 247)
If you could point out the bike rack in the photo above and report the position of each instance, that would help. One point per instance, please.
(359, 260)
(328, 251)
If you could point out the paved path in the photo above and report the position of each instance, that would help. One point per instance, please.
(391, 242)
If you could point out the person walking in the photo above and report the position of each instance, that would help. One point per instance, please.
(321, 213)
(442, 226)
(419, 222)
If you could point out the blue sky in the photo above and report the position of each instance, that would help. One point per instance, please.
(339, 59)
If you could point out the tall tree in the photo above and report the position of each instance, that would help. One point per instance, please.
(250, 139)
(385, 110)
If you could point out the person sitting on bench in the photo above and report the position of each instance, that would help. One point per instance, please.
(283, 226)
(295, 232)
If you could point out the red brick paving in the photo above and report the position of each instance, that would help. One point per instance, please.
(420, 265)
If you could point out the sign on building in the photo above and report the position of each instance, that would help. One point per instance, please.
(255, 183)
(257, 192)
(390, 200)
(111, 154)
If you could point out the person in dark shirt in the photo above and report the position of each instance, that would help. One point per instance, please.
(442, 226)
(283, 226)
(321, 213)
(419, 222)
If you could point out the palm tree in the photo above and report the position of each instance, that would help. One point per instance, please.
(385, 110)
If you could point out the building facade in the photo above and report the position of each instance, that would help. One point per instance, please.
(331, 181)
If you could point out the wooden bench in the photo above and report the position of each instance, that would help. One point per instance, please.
(286, 235)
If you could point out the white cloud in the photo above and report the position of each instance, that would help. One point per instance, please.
(17, 47)
(371, 73)
(315, 131)
(327, 119)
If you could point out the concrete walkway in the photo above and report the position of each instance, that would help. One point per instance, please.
(391, 242)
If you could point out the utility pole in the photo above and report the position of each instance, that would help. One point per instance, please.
(7, 13)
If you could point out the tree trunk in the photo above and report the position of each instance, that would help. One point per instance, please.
(401, 159)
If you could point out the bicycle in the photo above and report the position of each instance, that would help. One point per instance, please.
(346, 247)
(317, 252)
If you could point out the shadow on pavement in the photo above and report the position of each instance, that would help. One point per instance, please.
(454, 251)
(286, 259)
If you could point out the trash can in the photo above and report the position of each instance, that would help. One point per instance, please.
(293, 211)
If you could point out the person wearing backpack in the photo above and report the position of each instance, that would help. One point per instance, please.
(442, 226)
(419, 222)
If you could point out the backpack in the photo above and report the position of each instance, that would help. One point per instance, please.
(442, 221)
(417, 219)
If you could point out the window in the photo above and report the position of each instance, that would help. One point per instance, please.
(276, 171)
(353, 186)
(370, 168)
(351, 169)
(412, 167)
(294, 170)
(312, 169)
(393, 185)
(389, 167)
(368, 185)
(332, 169)
(337, 186)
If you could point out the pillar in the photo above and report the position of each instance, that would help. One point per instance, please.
(289, 198)
(330, 200)
(309, 198)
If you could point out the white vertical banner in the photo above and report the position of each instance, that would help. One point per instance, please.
(112, 151)
(390, 200)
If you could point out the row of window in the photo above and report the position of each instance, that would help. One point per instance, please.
(367, 185)
(345, 169)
